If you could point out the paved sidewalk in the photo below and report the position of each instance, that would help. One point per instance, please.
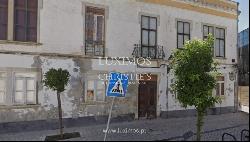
(150, 130)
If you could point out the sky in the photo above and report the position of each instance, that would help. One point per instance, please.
(244, 16)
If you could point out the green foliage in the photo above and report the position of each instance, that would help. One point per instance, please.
(56, 79)
(194, 69)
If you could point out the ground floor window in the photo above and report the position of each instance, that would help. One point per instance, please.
(220, 86)
(18, 88)
(2, 87)
(95, 90)
(25, 88)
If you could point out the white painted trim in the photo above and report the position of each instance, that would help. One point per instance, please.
(10, 83)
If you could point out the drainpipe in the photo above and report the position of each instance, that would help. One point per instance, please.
(167, 90)
(236, 100)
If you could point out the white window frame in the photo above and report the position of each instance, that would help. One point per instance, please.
(103, 90)
(25, 88)
(96, 89)
(4, 91)
(220, 84)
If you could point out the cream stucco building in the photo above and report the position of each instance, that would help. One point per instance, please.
(77, 34)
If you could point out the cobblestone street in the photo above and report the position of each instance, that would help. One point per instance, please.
(151, 130)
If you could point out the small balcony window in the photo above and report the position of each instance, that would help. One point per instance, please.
(148, 36)
(94, 31)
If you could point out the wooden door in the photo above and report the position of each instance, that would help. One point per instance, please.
(147, 99)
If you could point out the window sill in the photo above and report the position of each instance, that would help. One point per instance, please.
(222, 97)
(19, 106)
(180, 48)
(93, 56)
(220, 58)
(20, 43)
(95, 103)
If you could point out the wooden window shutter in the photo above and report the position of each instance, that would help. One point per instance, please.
(25, 21)
(89, 25)
(3, 19)
(100, 28)
(94, 24)
(222, 89)
(19, 21)
(32, 20)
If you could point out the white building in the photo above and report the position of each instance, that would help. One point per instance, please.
(72, 34)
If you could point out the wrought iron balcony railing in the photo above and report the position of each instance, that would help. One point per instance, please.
(94, 48)
(156, 52)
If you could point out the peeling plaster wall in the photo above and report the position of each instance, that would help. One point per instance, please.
(72, 98)
(47, 101)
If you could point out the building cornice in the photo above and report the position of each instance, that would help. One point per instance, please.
(222, 8)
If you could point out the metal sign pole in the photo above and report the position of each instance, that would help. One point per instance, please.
(110, 111)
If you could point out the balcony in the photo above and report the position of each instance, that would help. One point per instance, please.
(156, 52)
(94, 48)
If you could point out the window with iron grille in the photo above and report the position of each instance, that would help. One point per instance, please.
(94, 31)
(148, 36)
(183, 33)
(25, 20)
(3, 19)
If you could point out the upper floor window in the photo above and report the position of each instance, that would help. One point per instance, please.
(3, 19)
(183, 33)
(94, 31)
(148, 36)
(25, 20)
(219, 42)
(207, 30)
(219, 34)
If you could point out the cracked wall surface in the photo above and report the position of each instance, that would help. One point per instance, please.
(73, 104)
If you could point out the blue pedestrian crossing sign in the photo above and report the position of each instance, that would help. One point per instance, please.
(118, 85)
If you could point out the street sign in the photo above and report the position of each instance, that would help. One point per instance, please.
(118, 85)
